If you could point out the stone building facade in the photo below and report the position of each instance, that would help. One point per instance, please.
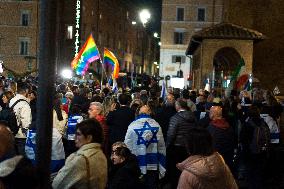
(180, 20)
(18, 35)
(267, 18)
(218, 50)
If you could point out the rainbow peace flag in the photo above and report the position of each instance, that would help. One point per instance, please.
(89, 53)
(110, 59)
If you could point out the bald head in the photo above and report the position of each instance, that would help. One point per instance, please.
(145, 110)
(215, 112)
(6, 140)
(170, 99)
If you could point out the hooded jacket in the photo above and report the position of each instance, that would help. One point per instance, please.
(223, 135)
(17, 169)
(179, 127)
(205, 172)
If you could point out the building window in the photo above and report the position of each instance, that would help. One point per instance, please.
(178, 37)
(178, 59)
(24, 46)
(25, 18)
(180, 14)
(201, 15)
(69, 34)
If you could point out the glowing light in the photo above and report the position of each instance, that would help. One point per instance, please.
(156, 35)
(144, 16)
(67, 73)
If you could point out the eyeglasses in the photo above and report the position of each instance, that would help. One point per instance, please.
(78, 133)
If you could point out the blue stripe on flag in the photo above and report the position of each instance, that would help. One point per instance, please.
(151, 158)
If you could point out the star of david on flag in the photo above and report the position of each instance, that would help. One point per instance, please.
(147, 134)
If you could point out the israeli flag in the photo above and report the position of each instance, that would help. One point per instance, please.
(57, 155)
(114, 86)
(164, 91)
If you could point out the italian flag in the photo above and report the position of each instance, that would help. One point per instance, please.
(239, 76)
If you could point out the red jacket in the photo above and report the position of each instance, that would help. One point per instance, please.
(105, 128)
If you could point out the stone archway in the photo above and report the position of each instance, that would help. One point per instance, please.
(225, 62)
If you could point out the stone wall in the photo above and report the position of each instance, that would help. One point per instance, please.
(208, 50)
(267, 18)
(11, 31)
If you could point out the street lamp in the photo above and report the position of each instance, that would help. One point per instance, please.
(156, 35)
(144, 16)
(67, 74)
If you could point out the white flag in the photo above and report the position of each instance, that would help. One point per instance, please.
(276, 91)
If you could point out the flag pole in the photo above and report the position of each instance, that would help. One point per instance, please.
(102, 77)
(103, 71)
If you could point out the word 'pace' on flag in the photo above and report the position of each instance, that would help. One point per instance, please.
(110, 59)
(89, 53)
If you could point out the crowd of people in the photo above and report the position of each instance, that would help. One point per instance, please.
(137, 139)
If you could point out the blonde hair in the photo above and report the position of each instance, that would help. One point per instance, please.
(108, 101)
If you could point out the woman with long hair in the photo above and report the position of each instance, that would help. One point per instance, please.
(59, 116)
(6, 112)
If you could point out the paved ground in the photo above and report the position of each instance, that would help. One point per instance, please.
(274, 178)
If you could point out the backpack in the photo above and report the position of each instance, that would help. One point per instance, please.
(12, 118)
(261, 137)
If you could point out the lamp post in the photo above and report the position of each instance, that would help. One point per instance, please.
(144, 16)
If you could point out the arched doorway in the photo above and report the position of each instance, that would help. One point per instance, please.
(225, 62)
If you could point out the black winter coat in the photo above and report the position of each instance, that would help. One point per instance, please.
(23, 176)
(125, 175)
(179, 127)
(223, 136)
(163, 116)
(118, 122)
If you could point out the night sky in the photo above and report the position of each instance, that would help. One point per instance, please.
(154, 6)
